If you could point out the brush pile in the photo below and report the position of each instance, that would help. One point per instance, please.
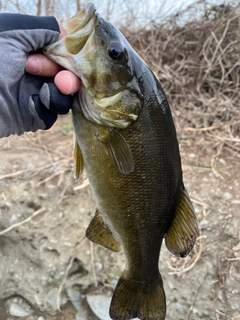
(198, 65)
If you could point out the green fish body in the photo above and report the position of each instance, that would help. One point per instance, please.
(126, 139)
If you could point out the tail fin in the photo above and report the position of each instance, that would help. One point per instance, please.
(131, 299)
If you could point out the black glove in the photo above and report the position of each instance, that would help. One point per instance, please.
(27, 102)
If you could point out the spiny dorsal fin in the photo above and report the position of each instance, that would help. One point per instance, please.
(99, 232)
(78, 160)
(118, 151)
(183, 231)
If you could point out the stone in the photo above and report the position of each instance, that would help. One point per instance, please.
(99, 305)
(19, 308)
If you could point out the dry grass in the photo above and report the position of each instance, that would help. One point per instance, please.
(198, 66)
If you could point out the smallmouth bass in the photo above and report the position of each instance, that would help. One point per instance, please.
(126, 139)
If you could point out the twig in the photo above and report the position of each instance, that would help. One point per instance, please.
(16, 225)
(201, 129)
(82, 186)
(194, 300)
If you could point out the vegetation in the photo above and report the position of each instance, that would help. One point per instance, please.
(198, 65)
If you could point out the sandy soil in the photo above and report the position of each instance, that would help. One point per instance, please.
(45, 263)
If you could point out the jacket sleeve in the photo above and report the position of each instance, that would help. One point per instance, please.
(21, 35)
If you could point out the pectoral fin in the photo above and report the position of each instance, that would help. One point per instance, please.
(118, 151)
(99, 232)
(183, 231)
(78, 160)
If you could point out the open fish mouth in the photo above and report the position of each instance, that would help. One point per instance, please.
(85, 21)
(79, 29)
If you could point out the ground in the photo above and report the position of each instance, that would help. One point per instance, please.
(49, 271)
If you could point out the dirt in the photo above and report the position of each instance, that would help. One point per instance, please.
(46, 256)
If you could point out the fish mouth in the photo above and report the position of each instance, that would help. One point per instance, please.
(81, 19)
(79, 29)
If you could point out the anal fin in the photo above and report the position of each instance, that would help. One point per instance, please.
(99, 232)
(183, 231)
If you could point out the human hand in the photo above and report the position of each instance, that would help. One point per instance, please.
(29, 102)
(39, 64)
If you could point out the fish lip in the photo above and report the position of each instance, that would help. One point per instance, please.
(128, 116)
(90, 9)
(90, 12)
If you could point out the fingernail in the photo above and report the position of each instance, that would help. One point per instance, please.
(72, 85)
(34, 65)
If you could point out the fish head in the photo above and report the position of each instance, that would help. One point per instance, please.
(98, 53)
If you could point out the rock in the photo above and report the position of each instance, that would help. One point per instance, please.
(98, 266)
(19, 307)
(114, 283)
(52, 299)
(13, 219)
(79, 316)
(227, 196)
(100, 304)
(204, 223)
(75, 296)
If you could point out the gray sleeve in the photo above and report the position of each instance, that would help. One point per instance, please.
(17, 114)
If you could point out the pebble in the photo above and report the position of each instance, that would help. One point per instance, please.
(19, 308)
(82, 210)
(98, 266)
(192, 155)
(227, 196)
(114, 283)
(52, 299)
(13, 220)
(99, 305)
(171, 285)
(75, 296)
(41, 318)
(204, 223)
(181, 308)
(79, 316)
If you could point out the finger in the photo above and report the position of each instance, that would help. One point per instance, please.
(63, 32)
(67, 82)
(40, 65)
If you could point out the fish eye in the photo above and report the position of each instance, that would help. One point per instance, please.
(116, 51)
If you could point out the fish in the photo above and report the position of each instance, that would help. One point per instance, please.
(127, 142)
